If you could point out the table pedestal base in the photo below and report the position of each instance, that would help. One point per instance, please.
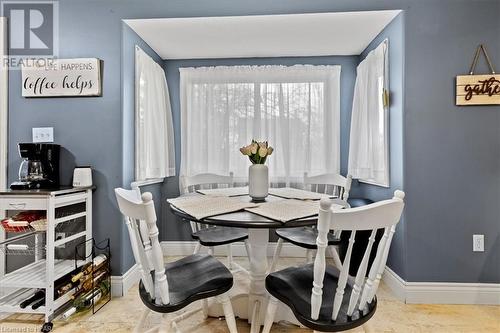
(248, 295)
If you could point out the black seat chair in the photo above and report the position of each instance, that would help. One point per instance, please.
(325, 298)
(171, 287)
(211, 236)
(332, 184)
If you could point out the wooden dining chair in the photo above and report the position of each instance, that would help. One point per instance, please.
(327, 299)
(168, 288)
(332, 184)
(211, 236)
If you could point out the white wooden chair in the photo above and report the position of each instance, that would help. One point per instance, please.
(332, 184)
(211, 236)
(336, 301)
(175, 285)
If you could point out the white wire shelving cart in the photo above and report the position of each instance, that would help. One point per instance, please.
(33, 258)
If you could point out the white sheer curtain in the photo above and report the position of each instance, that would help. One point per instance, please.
(3, 102)
(296, 109)
(154, 151)
(369, 147)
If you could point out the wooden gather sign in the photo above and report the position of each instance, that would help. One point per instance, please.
(478, 89)
(62, 77)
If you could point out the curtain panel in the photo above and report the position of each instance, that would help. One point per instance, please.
(3, 102)
(296, 109)
(369, 145)
(154, 132)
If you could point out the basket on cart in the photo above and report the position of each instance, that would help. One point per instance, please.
(25, 221)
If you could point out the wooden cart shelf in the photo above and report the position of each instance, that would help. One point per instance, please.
(46, 265)
(34, 275)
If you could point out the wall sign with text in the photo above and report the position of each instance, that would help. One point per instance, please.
(478, 89)
(62, 78)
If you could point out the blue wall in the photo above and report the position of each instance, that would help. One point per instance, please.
(451, 159)
(88, 128)
(452, 154)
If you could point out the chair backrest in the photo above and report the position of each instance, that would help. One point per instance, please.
(189, 184)
(329, 183)
(204, 181)
(140, 218)
(383, 214)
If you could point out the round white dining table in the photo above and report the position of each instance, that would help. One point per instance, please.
(255, 296)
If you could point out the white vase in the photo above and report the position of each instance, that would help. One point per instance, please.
(258, 181)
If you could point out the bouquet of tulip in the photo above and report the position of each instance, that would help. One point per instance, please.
(257, 152)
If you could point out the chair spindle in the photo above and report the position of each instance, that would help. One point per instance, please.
(344, 274)
(320, 260)
(360, 275)
(160, 277)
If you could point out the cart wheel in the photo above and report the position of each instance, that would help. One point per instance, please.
(47, 327)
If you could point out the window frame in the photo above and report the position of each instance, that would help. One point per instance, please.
(307, 74)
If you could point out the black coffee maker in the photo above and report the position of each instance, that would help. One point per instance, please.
(39, 168)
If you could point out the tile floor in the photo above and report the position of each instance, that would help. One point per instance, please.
(121, 314)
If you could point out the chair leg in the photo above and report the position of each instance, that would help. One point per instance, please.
(166, 323)
(228, 312)
(271, 311)
(255, 327)
(276, 256)
(309, 256)
(230, 257)
(175, 328)
(204, 303)
(211, 250)
(197, 248)
(139, 328)
(248, 249)
(335, 255)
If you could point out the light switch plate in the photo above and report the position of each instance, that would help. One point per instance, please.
(43, 134)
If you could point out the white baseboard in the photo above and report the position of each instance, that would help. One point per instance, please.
(442, 292)
(395, 283)
(120, 284)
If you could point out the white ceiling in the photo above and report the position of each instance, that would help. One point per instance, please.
(318, 34)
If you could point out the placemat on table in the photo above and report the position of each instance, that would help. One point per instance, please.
(295, 193)
(288, 209)
(201, 206)
(228, 192)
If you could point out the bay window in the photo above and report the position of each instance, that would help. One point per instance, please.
(296, 109)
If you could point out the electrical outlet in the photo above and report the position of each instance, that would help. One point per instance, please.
(43, 134)
(478, 243)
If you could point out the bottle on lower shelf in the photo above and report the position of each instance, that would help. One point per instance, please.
(90, 267)
(86, 301)
(38, 303)
(87, 283)
(37, 296)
